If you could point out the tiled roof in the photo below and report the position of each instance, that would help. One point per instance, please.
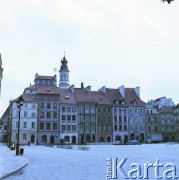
(113, 94)
(130, 96)
(27, 98)
(165, 109)
(45, 89)
(67, 97)
(83, 95)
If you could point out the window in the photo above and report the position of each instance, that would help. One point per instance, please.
(48, 105)
(104, 128)
(24, 124)
(41, 114)
(115, 119)
(54, 126)
(87, 110)
(125, 119)
(156, 129)
(73, 109)
(81, 128)
(109, 118)
(48, 126)
(99, 110)
(87, 128)
(54, 105)
(25, 113)
(33, 125)
(68, 117)
(73, 128)
(33, 114)
(73, 117)
(68, 128)
(120, 127)
(24, 136)
(120, 119)
(63, 109)
(44, 138)
(33, 106)
(109, 110)
(41, 126)
(48, 115)
(87, 120)
(55, 115)
(63, 128)
(92, 110)
(68, 109)
(115, 110)
(63, 117)
(125, 127)
(81, 110)
(93, 128)
(115, 127)
(104, 109)
(149, 128)
(41, 105)
(99, 128)
(93, 119)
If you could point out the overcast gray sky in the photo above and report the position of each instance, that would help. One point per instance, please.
(107, 42)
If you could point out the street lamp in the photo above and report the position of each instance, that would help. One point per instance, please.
(19, 102)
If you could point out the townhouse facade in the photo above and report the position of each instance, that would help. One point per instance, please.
(68, 117)
(168, 123)
(28, 120)
(153, 124)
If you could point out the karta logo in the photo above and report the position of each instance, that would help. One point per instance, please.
(116, 170)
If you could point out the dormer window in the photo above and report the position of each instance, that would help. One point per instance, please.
(67, 97)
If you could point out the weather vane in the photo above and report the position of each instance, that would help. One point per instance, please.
(169, 1)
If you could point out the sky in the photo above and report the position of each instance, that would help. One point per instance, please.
(107, 43)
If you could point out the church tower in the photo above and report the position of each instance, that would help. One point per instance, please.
(64, 74)
(1, 70)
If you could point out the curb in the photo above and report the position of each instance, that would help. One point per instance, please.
(15, 171)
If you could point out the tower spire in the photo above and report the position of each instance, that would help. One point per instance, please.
(64, 74)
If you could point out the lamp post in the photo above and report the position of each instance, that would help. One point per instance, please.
(19, 102)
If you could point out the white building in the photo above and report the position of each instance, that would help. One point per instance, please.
(28, 120)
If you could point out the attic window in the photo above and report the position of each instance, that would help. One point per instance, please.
(67, 97)
(48, 90)
(100, 99)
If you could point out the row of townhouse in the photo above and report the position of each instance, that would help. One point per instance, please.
(79, 115)
(65, 114)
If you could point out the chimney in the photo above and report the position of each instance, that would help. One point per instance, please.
(103, 89)
(137, 91)
(82, 85)
(122, 91)
(88, 88)
(72, 88)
